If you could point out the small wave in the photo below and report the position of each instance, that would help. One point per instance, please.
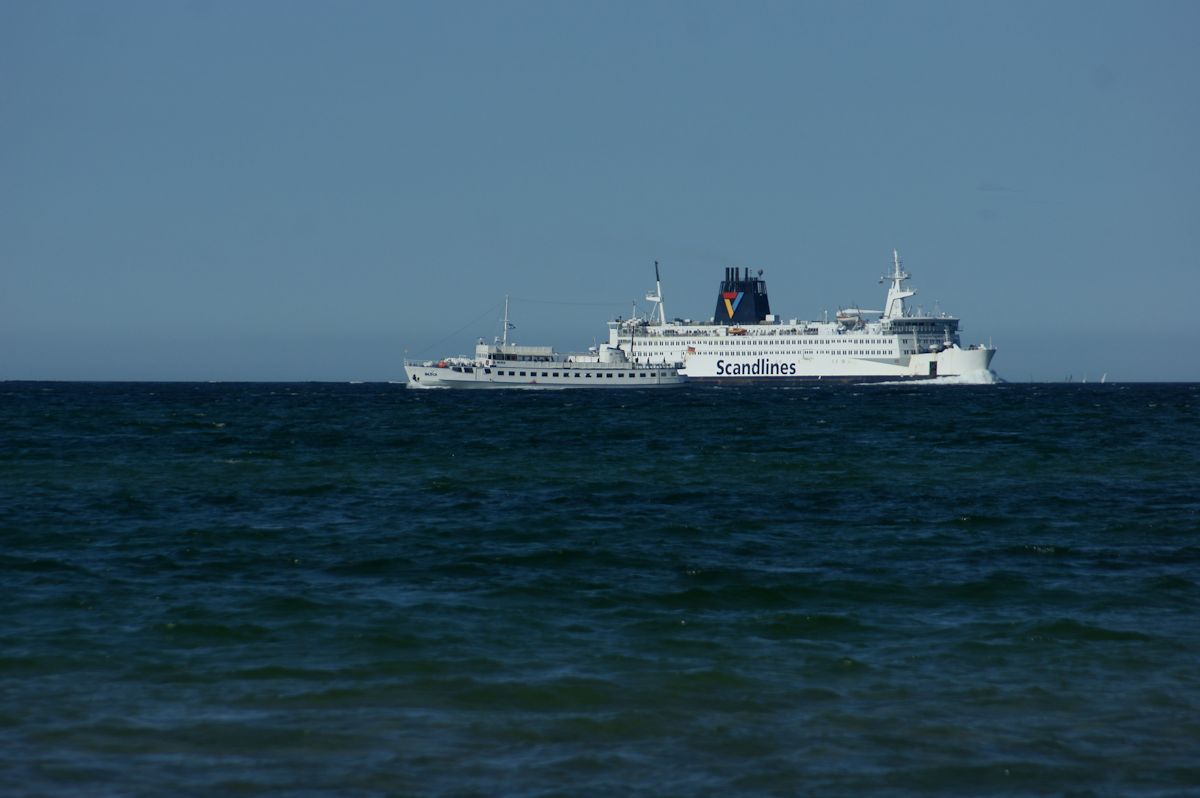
(801, 626)
(1071, 630)
(376, 566)
(317, 489)
(213, 633)
(567, 693)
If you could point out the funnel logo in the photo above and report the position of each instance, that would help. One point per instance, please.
(732, 300)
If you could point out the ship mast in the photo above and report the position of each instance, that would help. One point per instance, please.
(504, 341)
(657, 297)
(632, 328)
(894, 309)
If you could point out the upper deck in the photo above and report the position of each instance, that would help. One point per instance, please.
(743, 312)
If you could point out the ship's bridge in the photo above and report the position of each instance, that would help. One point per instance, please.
(931, 332)
(499, 352)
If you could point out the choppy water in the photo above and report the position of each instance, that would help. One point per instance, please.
(360, 590)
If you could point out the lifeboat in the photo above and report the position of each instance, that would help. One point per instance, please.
(737, 330)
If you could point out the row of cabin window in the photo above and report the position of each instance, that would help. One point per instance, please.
(500, 372)
(811, 352)
(734, 343)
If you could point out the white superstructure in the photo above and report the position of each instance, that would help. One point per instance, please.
(744, 342)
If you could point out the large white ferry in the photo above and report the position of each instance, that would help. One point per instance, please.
(745, 343)
(504, 365)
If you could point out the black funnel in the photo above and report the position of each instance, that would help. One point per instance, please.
(742, 299)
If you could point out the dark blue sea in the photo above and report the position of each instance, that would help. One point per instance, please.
(358, 590)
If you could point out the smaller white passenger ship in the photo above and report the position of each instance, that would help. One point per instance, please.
(504, 365)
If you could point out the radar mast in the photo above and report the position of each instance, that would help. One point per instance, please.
(657, 298)
(894, 308)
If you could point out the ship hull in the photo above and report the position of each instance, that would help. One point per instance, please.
(822, 379)
(783, 370)
(562, 378)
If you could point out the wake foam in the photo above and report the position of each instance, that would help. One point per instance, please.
(977, 377)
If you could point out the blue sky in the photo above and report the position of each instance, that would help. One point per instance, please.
(297, 190)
